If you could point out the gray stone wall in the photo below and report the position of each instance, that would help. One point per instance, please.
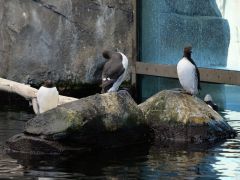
(61, 39)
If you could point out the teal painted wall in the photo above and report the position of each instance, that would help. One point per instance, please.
(166, 27)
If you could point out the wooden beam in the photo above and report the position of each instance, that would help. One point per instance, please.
(26, 91)
(156, 69)
(206, 74)
(220, 76)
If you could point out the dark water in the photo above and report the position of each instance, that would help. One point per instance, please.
(221, 161)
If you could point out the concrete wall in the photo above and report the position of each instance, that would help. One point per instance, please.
(168, 26)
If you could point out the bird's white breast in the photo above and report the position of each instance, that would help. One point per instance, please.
(47, 98)
(187, 76)
(124, 61)
(123, 76)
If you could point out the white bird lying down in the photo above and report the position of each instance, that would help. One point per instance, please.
(47, 97)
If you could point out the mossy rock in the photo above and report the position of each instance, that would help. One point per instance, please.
(175, 115)
(101, 121)
(102, 112)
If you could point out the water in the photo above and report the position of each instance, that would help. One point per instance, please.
(222, 161)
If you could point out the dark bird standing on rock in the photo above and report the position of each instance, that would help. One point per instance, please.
(114, 71)
(188, 73)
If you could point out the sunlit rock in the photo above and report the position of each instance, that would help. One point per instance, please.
(174, 115)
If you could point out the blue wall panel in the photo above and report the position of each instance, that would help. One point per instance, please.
(167, 26)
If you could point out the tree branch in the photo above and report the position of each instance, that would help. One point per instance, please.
(27, 92)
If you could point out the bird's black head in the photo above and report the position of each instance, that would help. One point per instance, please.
(112, 55)
(107, 54)
(187, 51)
(48, 83)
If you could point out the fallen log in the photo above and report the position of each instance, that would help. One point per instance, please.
(29, 93)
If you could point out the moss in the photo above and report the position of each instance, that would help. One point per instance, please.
(74, 120)
(173, 107)
(134, 119)
(198, 120)
(111, 125)
(126, 84)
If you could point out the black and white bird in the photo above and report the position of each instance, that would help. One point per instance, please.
(188, 73)
(47, 97)
(114, 71)
(209, 101)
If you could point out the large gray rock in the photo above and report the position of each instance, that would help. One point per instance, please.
(102, 121)
(61, 39)
(174, 115)
(113, 120)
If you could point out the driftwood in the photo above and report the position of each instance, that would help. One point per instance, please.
(29, 93)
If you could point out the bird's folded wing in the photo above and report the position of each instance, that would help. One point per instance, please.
(112, 70)
(198, 78)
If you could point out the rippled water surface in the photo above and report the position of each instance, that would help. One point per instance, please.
(219, 162)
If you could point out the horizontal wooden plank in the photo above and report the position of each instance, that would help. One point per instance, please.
(156, 69)
(206, 74)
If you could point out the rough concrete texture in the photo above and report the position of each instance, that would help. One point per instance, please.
(61, 39)
(167, 26)
(189, 7)
(175, 115)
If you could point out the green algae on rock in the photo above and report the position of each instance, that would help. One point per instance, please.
(113, 120)
(177, 116)
(101, 121)
(112, 110)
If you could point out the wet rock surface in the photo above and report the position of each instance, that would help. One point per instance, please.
(114, 120)
(175, 115)
(102, 121)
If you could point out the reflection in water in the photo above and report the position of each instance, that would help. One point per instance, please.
(9, 167)
(227, 159)
(12, 120)
(155, 162)
(163, 163)
(228, 154)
